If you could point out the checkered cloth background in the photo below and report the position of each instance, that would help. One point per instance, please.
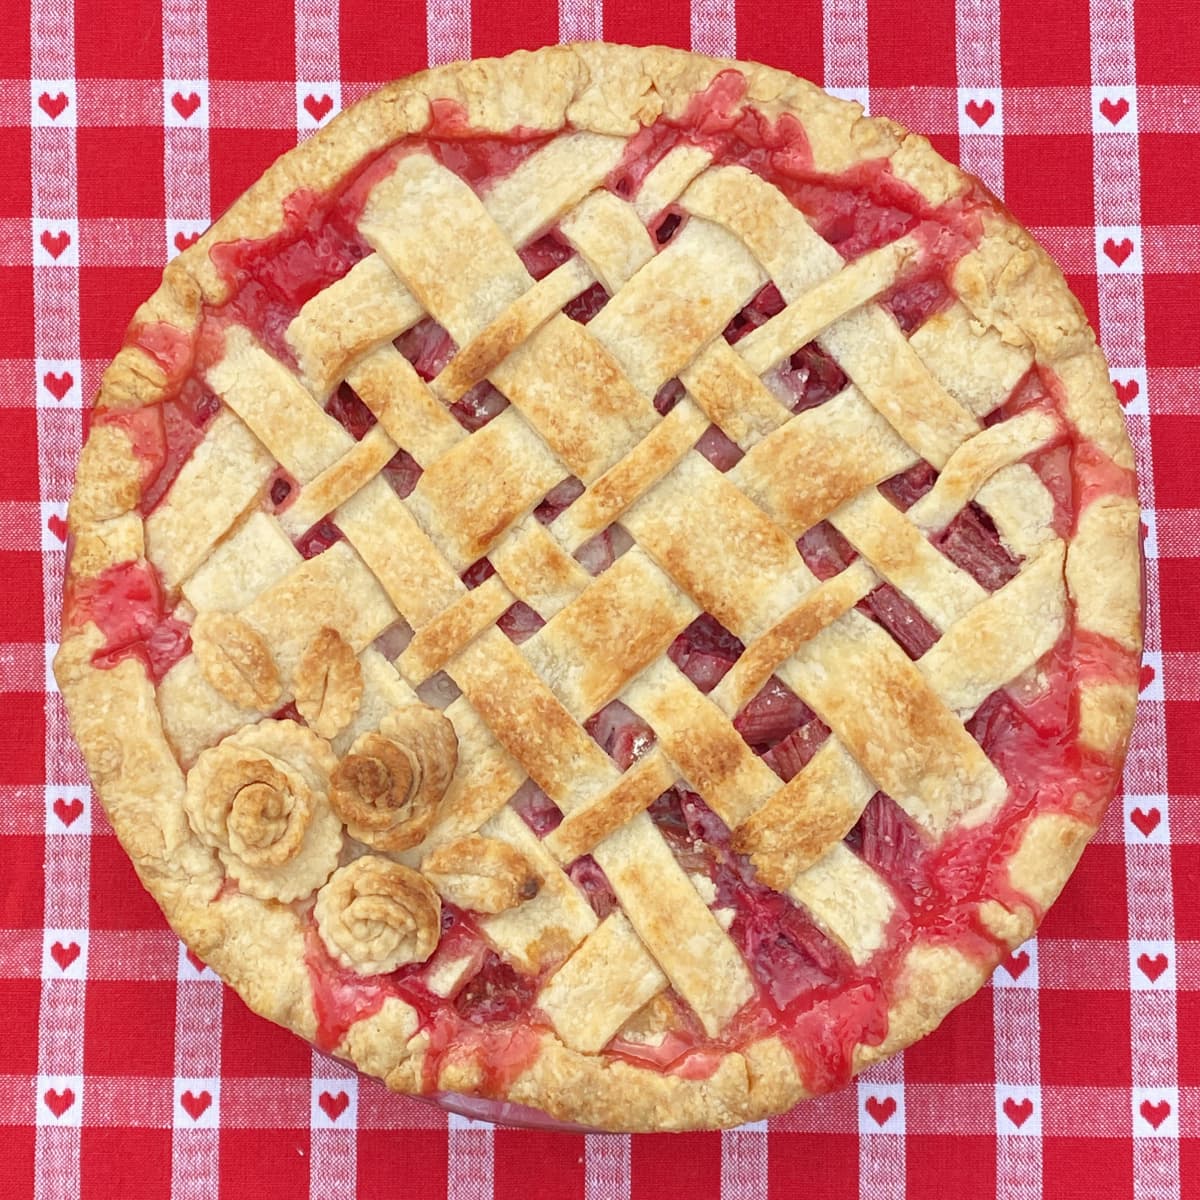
(126, 1069)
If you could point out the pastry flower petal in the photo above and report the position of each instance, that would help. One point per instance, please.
(260, 799)
(481, 874)
(388, 787)
(375, 915)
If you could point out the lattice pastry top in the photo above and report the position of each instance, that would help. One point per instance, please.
(608, 581)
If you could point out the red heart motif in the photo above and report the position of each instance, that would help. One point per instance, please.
(318, 106)
(1016, 964)
(1147, 822)
(1118, 252)
(58, 385)
(1145, 677)
(55, 243)
(1114, 110)
(334, 1106)
(195, 960)
(1018, 1112)
(184, 240)
(185, 106)
(1152, 968)
(981, 114)
(1127, 390)
(58, 527)
(1156, 1114)
(64, 955)
(59, 1102)
(68, 811)
(52, 106)
(196, 1105)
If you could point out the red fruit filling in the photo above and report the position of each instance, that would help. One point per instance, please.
(163, 436)
(807, 379)
(346, 407)
(668, 396)
(127, 603)
(536, 809)
(541, 257)
(478, 406)
(771, 716)
(427, 346)
(705, 651)
(905, 489)
(970, 541)
(719, 449)
(477, 572)
(825, 552)
(558, 499)
(519, 622)
(587, 304)
(620, 733)
(402, 472)
(318, 539)
(586, 875)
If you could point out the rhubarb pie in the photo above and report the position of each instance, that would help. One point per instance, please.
(608, 581)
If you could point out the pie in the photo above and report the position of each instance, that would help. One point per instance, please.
(609, 582)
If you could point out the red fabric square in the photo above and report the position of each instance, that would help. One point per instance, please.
(24, 752)
(803, 53)
(16, 1163)
(117, 899)
(963, 1045)
(791, 1170)
(22, 900)
(559, 1161)
(252, 1046)
(1185, 882)
(904, 52)
(113, 1008)
(1044, 46)
(14, 46)
(108, 297)
(1076, 1168)
(238, 157)
(274, 49)
(16, 196)
(1172, 326)
(129, 48)
(1187, 1010)
(21, 571)
(938, 1168)
(494, 32)
(119, 1161)
(1183, 753)
(947, 145)
(675, 1164)
(369, 58)
(655, 24)
(1179, 585)
(19, 998)
(120, 173)
(1049, 176)
(256, 1163)
(18, 452)
(1162, 34)
(1168, 168)
(16, 317)
(1174, 439)
(1102, 1058)
(417, 1156)
(1093, 904)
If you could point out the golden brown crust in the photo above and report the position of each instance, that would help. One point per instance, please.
(260, 808)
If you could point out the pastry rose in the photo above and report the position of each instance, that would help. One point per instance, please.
(375, 915)
(481, 873)
(388, 787)
(260, 800)
(328, 683)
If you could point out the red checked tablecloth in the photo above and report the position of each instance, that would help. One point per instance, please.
(127, 1070)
